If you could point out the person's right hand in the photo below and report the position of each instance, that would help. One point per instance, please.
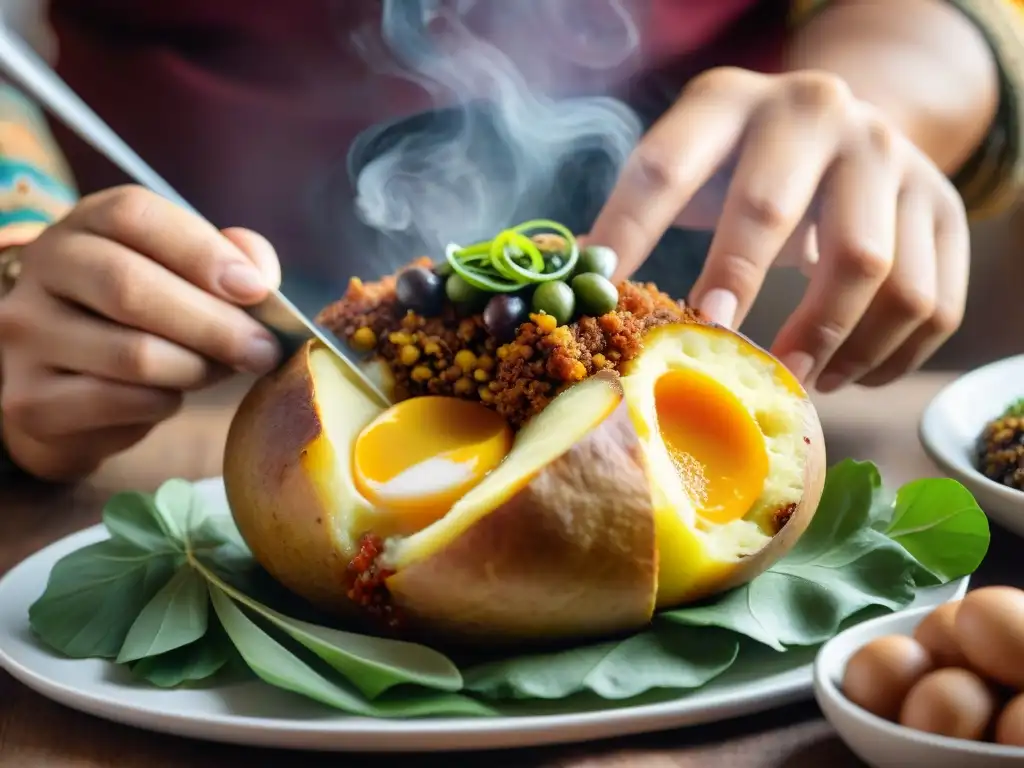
(121, 307)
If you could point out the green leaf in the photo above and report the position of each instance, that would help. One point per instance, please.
(190, 663)
(372, 664)
(133, 517)
(668, 657)
(175, 617)
(275, 664)
(840, 566)
(216, 531)
(941, 525)
(178, 507)
(94, 594)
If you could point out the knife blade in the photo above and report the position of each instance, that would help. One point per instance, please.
(22, 65)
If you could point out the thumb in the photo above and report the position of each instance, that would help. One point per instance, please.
(260, 252)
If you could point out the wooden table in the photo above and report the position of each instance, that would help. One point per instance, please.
(868, 424)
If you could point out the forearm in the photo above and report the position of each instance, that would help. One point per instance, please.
(922, 62)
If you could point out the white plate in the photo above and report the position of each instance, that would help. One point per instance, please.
(256, 714)
(877, 741)
(954, 418)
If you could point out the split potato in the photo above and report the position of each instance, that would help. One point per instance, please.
(688, 474)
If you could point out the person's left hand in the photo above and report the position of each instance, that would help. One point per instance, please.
(792, 170)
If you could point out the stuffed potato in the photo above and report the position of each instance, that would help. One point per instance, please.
(594, 470)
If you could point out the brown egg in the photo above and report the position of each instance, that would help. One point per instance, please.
(989, 629)
(1010, 725)
(950, 702)
(879, 675)
(937, 634)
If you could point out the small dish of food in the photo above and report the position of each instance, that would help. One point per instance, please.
(974, 430)
(935, 687)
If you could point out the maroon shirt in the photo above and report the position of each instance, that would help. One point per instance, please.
(249, 107)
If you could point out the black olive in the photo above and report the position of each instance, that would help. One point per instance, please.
(503, 315)
(420, 290)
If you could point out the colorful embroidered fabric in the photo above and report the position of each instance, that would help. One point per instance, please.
(35, 185)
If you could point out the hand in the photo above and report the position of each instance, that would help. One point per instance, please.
(121, 307)
(817, 178)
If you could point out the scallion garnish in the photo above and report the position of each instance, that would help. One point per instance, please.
(512, 260)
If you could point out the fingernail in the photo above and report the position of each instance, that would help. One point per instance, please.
(261, 355)
(719, 305)
(799, 364)
(242, 281)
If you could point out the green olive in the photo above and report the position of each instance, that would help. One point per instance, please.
(595, 294)
(556, 299)
(443, 268)
(597, 259)
(461, 292)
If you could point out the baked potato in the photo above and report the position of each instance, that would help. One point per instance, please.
(688, 472)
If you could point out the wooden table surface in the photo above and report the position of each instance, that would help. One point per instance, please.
(867, 424)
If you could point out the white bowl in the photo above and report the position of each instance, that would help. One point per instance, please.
(955, 417)
(878, 742)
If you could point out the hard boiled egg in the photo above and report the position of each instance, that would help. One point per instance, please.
(950, 702)
(881, 673)
(990, 629)
(423, 454)
(937, 633)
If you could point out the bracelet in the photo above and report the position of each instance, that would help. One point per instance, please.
(10, 268)
(13, 238)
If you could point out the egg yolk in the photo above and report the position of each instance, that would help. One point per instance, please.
(423, 454)
(716, 446)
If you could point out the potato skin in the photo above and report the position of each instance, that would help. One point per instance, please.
(557, 560)
(274, 501)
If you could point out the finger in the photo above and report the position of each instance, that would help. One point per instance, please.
(801, 249)
(176, 238)
(77, 342)
(52, 405)
(903, 303)
(952, 249)
(259, 251)
(111, 280)
(72, 456)
(856, 236)
(675, 158)
(785, 155)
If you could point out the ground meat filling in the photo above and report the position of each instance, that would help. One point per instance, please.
(1000, 451)
(366, 583)
(782, 516)
(453, 355)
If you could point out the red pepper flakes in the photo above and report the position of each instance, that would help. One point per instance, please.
(807, 440)
(782, 516)
(367, 587)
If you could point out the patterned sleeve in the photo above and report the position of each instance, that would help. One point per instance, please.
(993, 177)
(36, 187)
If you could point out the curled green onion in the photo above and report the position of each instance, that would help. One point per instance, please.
(495, 265)
(476, 277)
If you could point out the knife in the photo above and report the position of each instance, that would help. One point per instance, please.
(22, 65)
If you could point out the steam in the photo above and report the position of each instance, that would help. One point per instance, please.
(466, 182)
